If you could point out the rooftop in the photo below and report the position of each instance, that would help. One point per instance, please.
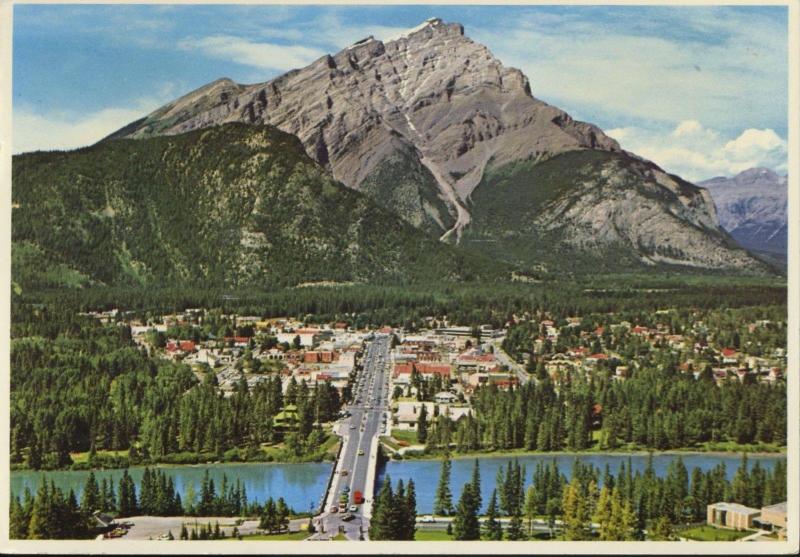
(736, 507)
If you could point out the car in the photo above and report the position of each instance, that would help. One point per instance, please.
(334, 509)
(353, 509)
(360, 452)
(346, 489)
(352, 426)
(427, 519)
(348, 517)
(345, 472)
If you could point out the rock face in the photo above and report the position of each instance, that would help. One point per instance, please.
(418, 122)
(432, 98)
(753, 208)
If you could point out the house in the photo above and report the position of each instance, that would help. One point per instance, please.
(731, 515)
(445, 397)
(475, 362)
(729, 356)
(180, 346)
(308, 337)
(426, 370)
(320, 357)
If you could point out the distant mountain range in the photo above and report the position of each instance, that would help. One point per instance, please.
(753, 207)
(442, 143)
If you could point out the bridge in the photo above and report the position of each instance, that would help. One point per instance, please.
(357, 462)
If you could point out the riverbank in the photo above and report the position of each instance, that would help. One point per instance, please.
(417, 454)
(267, 454)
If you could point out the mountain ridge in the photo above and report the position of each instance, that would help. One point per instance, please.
(753, 208)
(233, 205)
(417, 123)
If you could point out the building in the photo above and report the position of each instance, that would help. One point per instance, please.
(731, 515)
(445, 397)
(774, 516)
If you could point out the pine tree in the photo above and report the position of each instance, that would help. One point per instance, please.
(90, 501)
(443, 503)
(493, 528)
(476, 483)
(602, 514)
(465, 523)
(531, 507)
(422, 425)
(661, 530)
(575, 512)
(408, 531)
(515, 530)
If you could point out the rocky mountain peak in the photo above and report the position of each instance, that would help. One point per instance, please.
(417, 122)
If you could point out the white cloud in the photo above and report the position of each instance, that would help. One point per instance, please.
(266, 56)
(696, 153)
(33, 130)
(724, 69)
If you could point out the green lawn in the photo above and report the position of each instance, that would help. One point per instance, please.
(409, 436)
(432, 536)
(389, 442)
(80, 458)
(706, 533)
(292, 536)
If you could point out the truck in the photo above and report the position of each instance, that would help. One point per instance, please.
(358, 498)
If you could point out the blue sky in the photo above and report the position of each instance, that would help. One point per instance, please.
(700, 90)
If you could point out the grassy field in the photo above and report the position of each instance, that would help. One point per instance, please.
(432, 536)
(288, 536)
(409, 436)
(706, 533)
(80, 458)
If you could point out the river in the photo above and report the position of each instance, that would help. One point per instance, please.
(303, 485)
(425, 473)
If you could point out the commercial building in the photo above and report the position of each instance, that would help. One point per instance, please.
(731, 515)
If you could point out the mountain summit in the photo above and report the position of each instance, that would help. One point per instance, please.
(753, 207)
(434, 127)
(413, 121)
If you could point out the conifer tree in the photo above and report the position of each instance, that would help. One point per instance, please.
(90, 500)
(465, 522)
(476, 483)
(443, 503)
(493, 528)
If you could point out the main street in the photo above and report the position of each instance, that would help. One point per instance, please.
(356, 467)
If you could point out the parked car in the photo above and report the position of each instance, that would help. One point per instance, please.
(334, 509)
(427, 519)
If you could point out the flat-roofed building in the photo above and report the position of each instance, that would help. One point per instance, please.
(774, 515)
(731, 515)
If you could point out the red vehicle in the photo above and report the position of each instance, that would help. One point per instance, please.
(358, 498)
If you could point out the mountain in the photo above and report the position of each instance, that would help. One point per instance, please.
(232, 205)
(753, 207)
(434, 127)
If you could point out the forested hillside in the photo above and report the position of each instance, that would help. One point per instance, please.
(234, 205)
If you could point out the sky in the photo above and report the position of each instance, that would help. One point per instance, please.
(702, 91)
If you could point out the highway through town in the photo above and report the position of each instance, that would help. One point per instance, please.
(356, 467)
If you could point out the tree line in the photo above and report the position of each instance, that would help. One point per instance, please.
(598, 504)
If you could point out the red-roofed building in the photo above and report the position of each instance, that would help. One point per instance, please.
(426, 370)
(729, 356)
(180, 346)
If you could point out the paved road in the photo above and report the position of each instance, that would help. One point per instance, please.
(506, 360)
(360, 432)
